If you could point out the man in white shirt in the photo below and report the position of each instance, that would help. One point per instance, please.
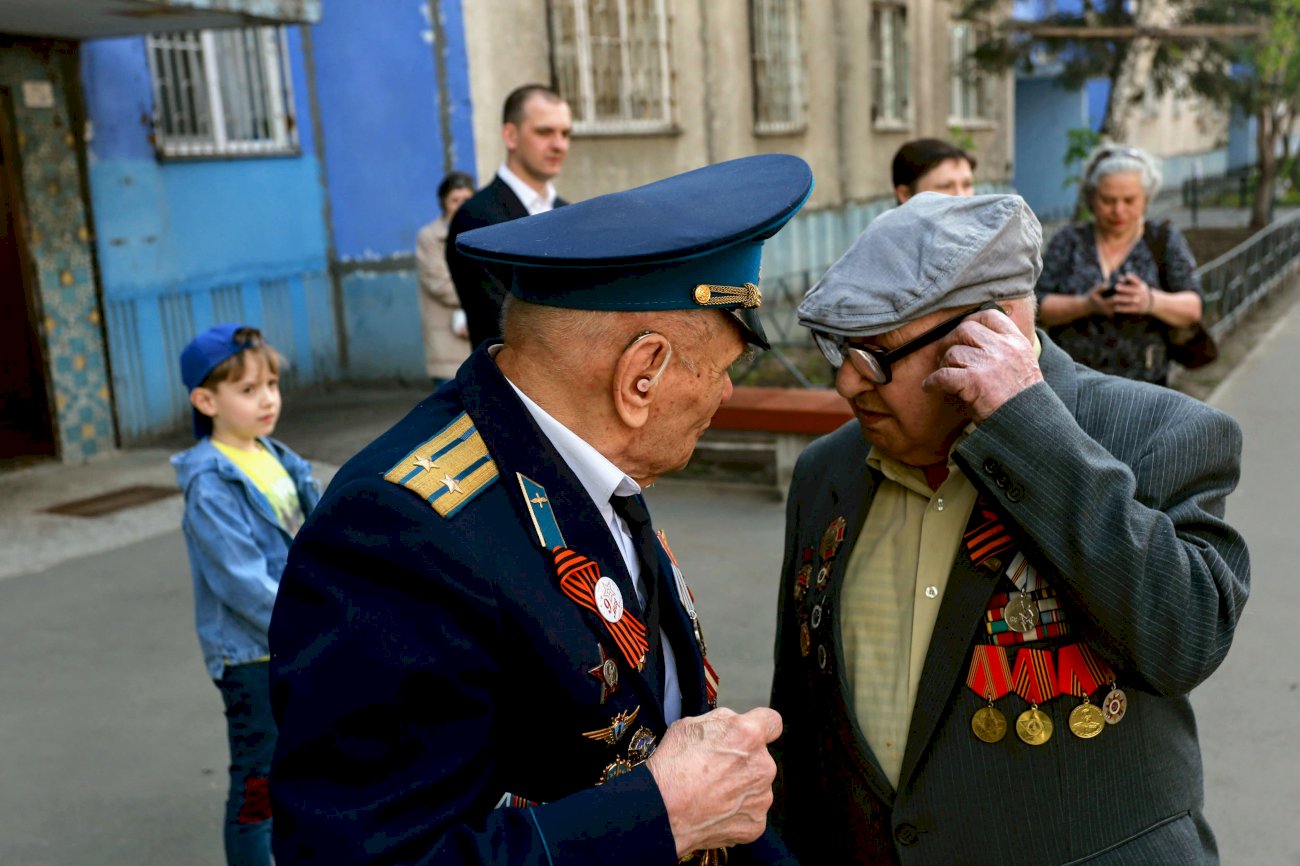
(535, 128)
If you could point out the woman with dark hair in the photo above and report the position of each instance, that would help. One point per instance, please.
(932, 165)
(1112, 289)
(446, 338)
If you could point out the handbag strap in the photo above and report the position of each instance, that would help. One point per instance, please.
(1156, 234)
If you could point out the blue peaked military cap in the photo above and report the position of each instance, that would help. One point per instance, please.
(689, 242)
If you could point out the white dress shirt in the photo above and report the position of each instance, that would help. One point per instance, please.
(534, 201)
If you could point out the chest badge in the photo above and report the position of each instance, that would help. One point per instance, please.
(607, 673)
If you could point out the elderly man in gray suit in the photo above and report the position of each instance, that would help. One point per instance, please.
(1002, 581)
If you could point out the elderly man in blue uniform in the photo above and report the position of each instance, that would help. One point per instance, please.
(1001, 580)
(481, 651)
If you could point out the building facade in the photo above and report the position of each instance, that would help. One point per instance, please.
(57, 371)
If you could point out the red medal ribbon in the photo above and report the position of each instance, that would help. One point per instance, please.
(1035, 675)
(989, 537)
(1043, 632)
(578, 575)
(710, 683)
(1079, 671)
(990, 673)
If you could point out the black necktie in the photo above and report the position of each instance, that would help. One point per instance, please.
(634, 514)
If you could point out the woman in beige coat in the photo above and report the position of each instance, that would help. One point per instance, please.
(446, 339)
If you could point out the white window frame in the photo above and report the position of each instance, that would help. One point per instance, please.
(780, 93)
(582, 73)
(891, 94)
(219, 115)
(968, 86)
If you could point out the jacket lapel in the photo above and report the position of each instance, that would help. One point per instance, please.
(960, 615)
(518, 446)
(966, 599)
(849, 496)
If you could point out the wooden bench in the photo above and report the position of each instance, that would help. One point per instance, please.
(780, 421)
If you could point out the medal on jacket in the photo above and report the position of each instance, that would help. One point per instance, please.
(687, 598)
(990, 678)
(581, 580)
(1079, 672)
(1034, 679)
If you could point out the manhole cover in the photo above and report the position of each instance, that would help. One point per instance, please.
(114, 500)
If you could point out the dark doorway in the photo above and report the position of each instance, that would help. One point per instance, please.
(26, 422)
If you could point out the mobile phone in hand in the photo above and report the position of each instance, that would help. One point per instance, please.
(1109, 291)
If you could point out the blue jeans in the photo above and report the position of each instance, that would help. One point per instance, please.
(246, 691)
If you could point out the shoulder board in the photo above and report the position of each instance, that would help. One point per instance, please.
(448, 470)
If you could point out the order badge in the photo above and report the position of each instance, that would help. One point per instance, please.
(609, 600)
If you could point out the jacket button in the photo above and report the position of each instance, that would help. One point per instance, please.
(1016, 493)
(905, 834)
(1002, 481)
(991, 466)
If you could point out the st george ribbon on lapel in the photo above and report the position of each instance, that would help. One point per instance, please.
(637, 518)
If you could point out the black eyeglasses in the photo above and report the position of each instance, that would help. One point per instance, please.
(874, 363)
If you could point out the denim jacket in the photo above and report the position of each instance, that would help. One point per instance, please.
(237, 549)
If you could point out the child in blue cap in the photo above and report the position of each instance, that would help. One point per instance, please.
(245, 497)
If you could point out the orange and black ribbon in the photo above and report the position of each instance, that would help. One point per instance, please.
(1079, 671)
(989, 537)
(990, 673)
(578, 575)
(1034, 677)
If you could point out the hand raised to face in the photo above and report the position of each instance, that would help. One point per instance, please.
(984, 363)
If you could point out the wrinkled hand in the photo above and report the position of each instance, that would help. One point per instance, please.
(984, 363)
(715, 776)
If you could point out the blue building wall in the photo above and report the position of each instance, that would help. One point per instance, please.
(384, 157)
(186, 244)
(1045, 112)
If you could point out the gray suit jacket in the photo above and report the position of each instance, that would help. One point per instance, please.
(1114, 490)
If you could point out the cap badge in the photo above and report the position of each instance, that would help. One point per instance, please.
(748, 295)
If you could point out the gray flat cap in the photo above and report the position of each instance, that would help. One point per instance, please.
(934, 253)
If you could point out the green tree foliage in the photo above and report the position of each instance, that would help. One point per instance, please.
(1260, 76)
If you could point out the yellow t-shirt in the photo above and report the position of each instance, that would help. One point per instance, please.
(270, 477)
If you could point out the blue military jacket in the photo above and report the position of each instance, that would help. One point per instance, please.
(440, 698)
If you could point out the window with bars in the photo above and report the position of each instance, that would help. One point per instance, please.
(890, 65)
(967, 84)
(779, 102)
(222, 93)
(610, 59)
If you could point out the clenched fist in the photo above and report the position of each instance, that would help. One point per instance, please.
(715, 776)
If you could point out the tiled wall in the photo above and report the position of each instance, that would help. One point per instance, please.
(59, 242)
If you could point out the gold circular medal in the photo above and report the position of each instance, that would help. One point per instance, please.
(989, 724)
(1021, 613)
(1114, 706)
(1034, 726)
(1086, 721)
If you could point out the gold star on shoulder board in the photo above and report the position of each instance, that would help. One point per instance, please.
(453, 486)
(425, 463)
(617, 727)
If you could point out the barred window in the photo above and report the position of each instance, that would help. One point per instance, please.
(222, 93)
(779, 103)
(890, 65)
(610, 59)
(967, 84)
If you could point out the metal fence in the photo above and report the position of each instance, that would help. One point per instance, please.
(1245, 275)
